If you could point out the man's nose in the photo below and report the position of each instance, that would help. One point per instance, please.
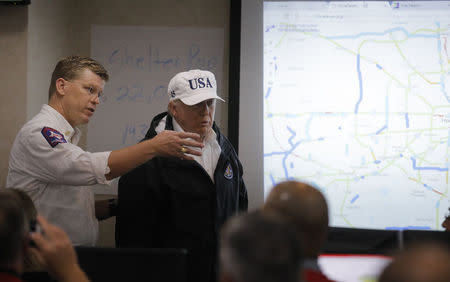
(204, 107)
(96, 99)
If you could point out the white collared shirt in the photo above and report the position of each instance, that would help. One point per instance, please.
(210, 152)
(55, 177)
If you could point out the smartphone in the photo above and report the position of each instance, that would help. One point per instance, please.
(34, 227)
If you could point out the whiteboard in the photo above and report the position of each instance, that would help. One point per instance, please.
(140, 62)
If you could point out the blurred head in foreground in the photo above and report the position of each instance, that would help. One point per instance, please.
(425, 262)
(259, 247)
(306, 208)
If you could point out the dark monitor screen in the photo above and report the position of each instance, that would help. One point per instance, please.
(132, 264)
(14, 2)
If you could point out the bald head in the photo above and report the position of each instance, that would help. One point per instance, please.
(428, 262)
(306, 208)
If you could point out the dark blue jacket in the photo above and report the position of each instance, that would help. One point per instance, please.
(172, 203)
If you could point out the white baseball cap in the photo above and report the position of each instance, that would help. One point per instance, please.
(193, 87)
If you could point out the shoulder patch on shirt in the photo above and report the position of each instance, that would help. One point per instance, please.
(53, 136)
(228, 172)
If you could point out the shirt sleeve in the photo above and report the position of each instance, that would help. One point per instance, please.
(64, 163)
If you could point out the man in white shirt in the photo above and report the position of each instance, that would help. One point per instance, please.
(46, 162)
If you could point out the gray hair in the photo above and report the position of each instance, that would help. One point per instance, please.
(258, 247)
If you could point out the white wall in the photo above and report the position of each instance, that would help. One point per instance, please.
(13, 58)
(251, 104)
(48, 40)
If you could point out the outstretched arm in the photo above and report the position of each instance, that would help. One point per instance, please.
(166, 143)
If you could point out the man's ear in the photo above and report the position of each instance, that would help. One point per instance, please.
(26, 244)
(172, 107)
(61, 85)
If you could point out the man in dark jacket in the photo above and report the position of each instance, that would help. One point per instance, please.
(177, 203)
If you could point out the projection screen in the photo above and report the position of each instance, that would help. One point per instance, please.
(353, 98)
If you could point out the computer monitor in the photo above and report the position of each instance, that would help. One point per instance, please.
(133, 264)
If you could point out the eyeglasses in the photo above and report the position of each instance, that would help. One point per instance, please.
(92, 90)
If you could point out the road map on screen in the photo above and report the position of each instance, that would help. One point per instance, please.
(356, 102)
